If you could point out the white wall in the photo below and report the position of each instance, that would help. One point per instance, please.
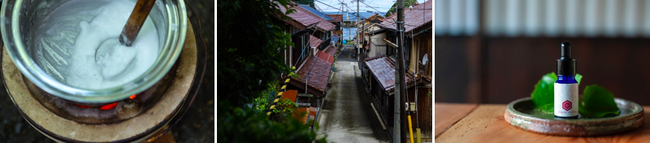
(378, 45)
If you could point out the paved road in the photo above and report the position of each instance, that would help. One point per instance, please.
(347, 115)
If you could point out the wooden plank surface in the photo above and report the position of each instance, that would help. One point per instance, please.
(486, 124)
(449, 113)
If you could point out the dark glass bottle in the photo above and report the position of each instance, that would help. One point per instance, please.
(566, 87)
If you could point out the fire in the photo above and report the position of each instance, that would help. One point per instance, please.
(82, 106)
(109, 106)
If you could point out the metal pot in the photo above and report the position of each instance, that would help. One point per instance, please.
(19, 18)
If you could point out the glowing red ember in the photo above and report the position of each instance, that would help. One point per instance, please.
(82, 106)
(109, 106)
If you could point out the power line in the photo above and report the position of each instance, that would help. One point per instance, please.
(346, 6)
(318, 8)
(371, 7)
(326, 4)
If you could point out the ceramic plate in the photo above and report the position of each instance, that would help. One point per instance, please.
(520, 114)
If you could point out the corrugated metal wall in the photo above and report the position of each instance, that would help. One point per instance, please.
(544, 18)
(456, 17)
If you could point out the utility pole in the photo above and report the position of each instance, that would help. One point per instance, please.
(358, 40)
(399, 74)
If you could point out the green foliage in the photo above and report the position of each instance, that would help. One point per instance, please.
(260, 104)
(243, 125)
(393, 9)
(250, 38)
(263, 102)
(284, 109)
(598, 102)
(543, 93)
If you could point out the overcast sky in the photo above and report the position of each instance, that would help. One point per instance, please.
(335, 5)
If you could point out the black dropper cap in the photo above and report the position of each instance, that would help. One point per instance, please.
(566, 65)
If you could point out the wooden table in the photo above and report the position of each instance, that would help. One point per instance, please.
(484, 123)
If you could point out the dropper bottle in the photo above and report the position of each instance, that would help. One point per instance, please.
(566, 87)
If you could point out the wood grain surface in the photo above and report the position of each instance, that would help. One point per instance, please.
(486, 124)
(449, 113)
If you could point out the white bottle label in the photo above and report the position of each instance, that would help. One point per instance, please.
(566, 100)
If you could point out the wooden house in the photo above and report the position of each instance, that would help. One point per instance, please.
(312, 56)
(418, 54)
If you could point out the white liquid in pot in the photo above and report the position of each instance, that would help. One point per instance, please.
(73, 60)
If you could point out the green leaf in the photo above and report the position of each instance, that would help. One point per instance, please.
(598, 102)
(542, 95)
(242, 125)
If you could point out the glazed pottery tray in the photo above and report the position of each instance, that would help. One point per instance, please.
(520, 114)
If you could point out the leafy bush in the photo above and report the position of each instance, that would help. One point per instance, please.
(250, 37)
(244, 125)
(284, 109)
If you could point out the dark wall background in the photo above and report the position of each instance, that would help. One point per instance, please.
(503, 69)
(452, 69)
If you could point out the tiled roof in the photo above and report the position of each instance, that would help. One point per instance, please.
(383, 68)
(315, 72)
(324, 56)
(393, 16)
(336, 17)
(379, 55)
(325, 25)
(316, 12)
(415, 18)
(313, 41)
(307, 18)
(353, 15)
(331, 50)
(327, 54)
(302, 16)
(375, 16)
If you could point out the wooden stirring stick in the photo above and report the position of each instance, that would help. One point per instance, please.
(135, 22)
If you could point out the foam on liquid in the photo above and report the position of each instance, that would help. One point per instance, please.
(121, 64)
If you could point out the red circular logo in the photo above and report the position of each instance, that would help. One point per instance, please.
(566, 105)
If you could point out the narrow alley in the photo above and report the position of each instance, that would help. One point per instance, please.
(347, 115)
(344, 66)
